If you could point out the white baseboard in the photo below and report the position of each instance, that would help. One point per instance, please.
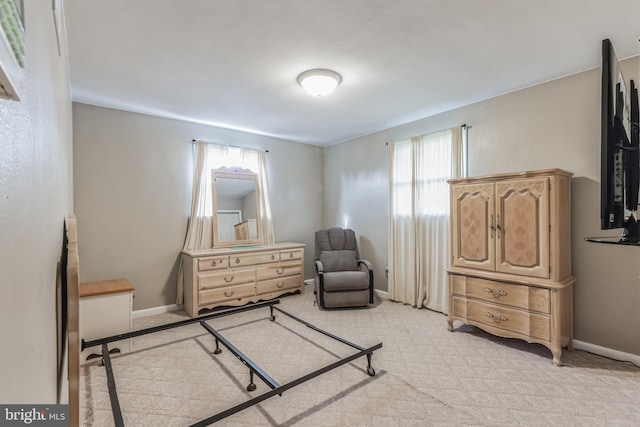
(381, 294)
(607, 352)
(156, 310)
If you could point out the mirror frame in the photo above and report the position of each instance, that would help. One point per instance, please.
(234, 173)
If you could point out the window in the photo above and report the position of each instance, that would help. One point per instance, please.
(421, 169)
(228, 156)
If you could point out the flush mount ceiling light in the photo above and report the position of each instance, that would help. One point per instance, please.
(319, 82)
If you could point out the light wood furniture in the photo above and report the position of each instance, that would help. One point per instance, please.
(235, 276)
(105, 310)
(242, 230)
(510, 271)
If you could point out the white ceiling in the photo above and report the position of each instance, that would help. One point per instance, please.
(234, 63)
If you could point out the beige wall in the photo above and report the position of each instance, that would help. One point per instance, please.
(552, 125)
(132, 188)
(35, 197)
(357, 197)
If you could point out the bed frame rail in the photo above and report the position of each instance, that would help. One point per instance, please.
(140, 332)
(254, 369)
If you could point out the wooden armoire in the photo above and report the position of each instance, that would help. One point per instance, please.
(510, 269)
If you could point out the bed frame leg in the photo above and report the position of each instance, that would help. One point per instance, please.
(251, 386)
(370, 370)
(217, 350)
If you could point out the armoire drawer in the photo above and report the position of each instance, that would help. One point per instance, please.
(522, 296)
(219, 295)
(228, 277)
(509, 319)
(274, 285)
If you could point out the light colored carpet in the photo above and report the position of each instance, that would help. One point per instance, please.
(426, 375)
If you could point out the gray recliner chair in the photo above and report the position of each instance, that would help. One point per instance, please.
(342, 279)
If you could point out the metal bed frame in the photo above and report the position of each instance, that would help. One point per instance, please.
(254, 369)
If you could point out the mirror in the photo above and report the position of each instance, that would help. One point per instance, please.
(236, 207)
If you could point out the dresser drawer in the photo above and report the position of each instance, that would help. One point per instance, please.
(219, 295)
(241, 260)
(509, 319)
(521, 296)
(281, 270)
(226, 277)
(276, 285)
(213, 263)
(290, 255)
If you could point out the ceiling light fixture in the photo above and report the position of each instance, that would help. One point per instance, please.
(319, 82)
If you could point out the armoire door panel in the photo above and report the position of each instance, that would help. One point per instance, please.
(473, 230)
(523, 227)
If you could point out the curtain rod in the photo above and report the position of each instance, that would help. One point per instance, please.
(463, 126)
(193, 141)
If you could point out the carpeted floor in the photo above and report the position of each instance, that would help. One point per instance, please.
(425, 375)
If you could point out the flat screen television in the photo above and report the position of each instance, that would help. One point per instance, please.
(620, 163)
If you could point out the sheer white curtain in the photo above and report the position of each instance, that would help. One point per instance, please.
(208, 156)
(419, 216)
(265, 207)
(199, 232)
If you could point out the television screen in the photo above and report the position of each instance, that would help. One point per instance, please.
(632, 159)
(611, 167)
(620, 163)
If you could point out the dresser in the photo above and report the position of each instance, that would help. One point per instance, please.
(238, 275)
(510, 264)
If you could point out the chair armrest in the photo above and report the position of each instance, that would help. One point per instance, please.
(366, 264)
(319, 283)
(369, 267)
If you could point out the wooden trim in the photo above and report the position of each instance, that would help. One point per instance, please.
(513, 278)
(73, 322)
(196, 253)
(104, 287)
(500, 176)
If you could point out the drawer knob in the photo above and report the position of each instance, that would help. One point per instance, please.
(291, 255)
(280, 270)
(213, 263)
(229, 293)
(237, 260)
(497, 294)
(497, 319)
(280, 285)
(229, 280)
(273, 257)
